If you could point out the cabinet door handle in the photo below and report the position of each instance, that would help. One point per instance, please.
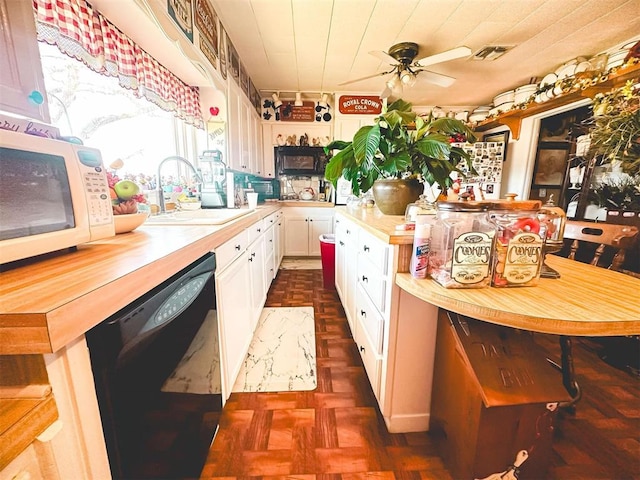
(361, 348)
(363, 313)
(251, 259)
(311, 219)
(365, 279)
(365, 248)
(341, 243)
(238, 247)
(253, 254)
(259, 230)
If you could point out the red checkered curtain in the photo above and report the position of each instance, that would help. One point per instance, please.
(84, 34)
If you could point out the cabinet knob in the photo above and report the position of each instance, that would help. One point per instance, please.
(311, 219)
(361, 348)
(259, 230)
(251, 259)
(348, 232)
(237, 247)
(253, 254)
(365, 248)
(341, 243)
(363, 313)
(365, 279)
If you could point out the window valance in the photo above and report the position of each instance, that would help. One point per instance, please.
(84, 34)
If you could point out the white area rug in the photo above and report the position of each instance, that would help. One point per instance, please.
(282, 355)
(199, 370)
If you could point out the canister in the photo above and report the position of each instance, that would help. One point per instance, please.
(518, 248)
(461, 245)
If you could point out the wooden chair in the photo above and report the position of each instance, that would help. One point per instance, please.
(607, 244)
(604, 245)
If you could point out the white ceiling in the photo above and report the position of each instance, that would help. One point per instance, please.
(314, 45)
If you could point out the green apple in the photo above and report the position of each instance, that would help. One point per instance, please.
(126, 189)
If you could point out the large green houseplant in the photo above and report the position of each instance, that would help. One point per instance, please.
(400, 145)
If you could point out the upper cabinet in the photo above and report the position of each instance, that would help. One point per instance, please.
(513, 118)
(21, 81)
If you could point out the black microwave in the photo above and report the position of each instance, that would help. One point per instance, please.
(300, 160)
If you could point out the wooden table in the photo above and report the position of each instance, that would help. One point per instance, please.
(584, 301)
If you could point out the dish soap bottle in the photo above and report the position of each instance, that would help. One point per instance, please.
(421, 247)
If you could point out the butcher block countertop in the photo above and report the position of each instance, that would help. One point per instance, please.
(584, 301)
(45, 304)
(380, 225)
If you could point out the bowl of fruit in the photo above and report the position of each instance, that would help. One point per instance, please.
(126, 201)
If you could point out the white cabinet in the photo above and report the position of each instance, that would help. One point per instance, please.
(393, 330)
(234, 307)
(20, 67)
(280, 237)
(303, 227)
(346, 262)
(257, 270)
(245, 134)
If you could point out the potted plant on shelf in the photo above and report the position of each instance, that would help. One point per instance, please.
(398, 154)
(615, 127)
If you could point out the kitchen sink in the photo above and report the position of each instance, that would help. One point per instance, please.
(216, 216)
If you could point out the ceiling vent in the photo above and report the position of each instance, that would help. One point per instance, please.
(491, 52)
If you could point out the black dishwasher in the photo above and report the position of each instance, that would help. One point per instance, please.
(151, 432)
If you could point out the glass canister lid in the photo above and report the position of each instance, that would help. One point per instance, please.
(464, 206)
(510, 203)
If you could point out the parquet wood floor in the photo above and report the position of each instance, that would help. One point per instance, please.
(336, 431)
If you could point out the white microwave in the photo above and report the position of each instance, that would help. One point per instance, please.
(54, 195)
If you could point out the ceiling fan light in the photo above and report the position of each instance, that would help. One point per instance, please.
(407, 78)
(298, 102)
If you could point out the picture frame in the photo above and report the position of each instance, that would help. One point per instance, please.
(497, 137)
(551, 164)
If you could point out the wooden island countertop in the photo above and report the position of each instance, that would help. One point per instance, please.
(584, 301)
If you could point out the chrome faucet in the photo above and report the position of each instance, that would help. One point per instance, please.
(178, 159)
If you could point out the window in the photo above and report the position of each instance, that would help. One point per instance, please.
(96, 109)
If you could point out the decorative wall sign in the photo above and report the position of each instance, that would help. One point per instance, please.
(290, 113)
(181, 11)
(207, 23)
(208, 52)
(223, 53)
(233, 61)
(359, 105)
(244, 80)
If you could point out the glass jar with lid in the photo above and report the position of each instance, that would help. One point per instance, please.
(518, 249)
(461, 245)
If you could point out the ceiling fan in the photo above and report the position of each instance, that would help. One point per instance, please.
(405, 67)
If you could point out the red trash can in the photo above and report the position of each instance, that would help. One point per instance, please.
(328, 255)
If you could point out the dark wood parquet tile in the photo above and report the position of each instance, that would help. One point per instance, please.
(336, 432)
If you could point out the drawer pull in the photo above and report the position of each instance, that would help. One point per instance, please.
(348, 232)
(253, 254)
(365, 248)
(341, 243)
(238, 247)
(251, 259)
(259, 230)
(365, 279)
(363, 313)
(361, 348)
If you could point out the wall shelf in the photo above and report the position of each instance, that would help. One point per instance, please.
(513, 118)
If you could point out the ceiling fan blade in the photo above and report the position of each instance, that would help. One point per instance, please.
(443, 57)
(365, 78)
(436, 78)
(384, 56)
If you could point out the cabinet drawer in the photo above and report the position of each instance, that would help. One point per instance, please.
(270, 220)
(256, 230)
(345, 231)
(374, 250)
(268, 238)
(228, 251)
(372, 362)
(369, 320)
(372, 281)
